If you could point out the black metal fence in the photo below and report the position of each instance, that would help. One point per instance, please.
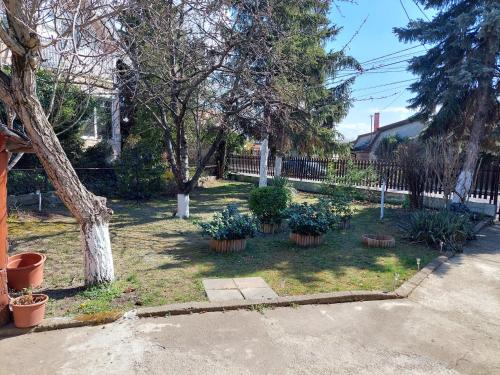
(101, 181)
(486, 181)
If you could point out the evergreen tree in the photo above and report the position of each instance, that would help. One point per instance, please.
(458, 88)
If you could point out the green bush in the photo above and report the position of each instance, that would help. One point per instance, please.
(439, 228)
(311, 219)
(269, 203)
(230, 224)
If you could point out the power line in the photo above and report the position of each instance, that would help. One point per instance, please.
(421, 10)
(386, 84)
(390, 54)
(374, 98)
(401, 2)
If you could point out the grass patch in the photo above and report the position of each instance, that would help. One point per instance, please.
(159, 259)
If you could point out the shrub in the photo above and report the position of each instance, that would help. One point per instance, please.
(341, 206)
(269, 203)
(436, 228)
(311, 219)
(230, 224)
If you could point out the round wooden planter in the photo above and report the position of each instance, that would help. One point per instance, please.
(378, 240)
(304, 240)
(227, 246)
(271, 228)
(25, 270)
(26, 316)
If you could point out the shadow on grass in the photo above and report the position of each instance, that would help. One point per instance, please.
(341, 251)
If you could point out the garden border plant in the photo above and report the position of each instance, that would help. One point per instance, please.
(310, 222)
(269, 204)
(229, 229)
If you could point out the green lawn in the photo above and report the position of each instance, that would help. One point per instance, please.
(160, 259)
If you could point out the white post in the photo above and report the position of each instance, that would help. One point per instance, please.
(278, 163)
(264, 153)
(382, 198)
(96, 135)
(182, 206)
(39, 193)
(116, 136)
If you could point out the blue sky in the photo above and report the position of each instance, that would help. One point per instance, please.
(376, 39)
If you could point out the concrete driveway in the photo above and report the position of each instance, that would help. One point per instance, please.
(450, 324)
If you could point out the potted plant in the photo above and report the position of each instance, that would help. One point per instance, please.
(268, 204)
(229, 230)
(29, 309)
(310, 222)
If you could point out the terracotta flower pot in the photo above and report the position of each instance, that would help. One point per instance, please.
(271, 228)
(226, 246)
(304, 240)
(25, 270)
(26, 316)
(378, 240)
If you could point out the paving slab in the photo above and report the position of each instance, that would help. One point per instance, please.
(211, 284)
(250, 282)
(258, 293)
(221, 295)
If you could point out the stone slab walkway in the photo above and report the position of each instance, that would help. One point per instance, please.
(249, 288)
(449, 325)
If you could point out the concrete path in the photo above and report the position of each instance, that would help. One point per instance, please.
(449, 325)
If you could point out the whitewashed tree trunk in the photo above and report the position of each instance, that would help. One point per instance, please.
(18, 91)
(466, 176)
(98, 260)
(116, 136)
(278, 165)
(182, 206)
(264, 153)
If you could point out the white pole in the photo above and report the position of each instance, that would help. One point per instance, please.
(382, 198)
(264, 153)
(39, 193)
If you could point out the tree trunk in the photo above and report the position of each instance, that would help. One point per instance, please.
(466, 176)
(264, 152)
(116, 137)
(278, 163)
(90, 210)
(98, 260)
(182, 206)
(489, 49)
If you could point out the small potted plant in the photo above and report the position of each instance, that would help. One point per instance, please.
(310, 222)
(29, 309)
(268, 204)
(229, 230)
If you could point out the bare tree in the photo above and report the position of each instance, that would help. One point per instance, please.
(195, 60)
(78, 30)
(444, 158)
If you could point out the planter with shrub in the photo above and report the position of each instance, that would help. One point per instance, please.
(229, 230)
(445, 230)
(28, 310)
(268, 204)
(310, 222)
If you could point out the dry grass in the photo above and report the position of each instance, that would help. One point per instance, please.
(160, 259)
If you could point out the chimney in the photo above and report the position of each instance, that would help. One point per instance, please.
(376, 122)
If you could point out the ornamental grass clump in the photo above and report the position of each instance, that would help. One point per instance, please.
(230, 224)
(444, 229)
(311, 219)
